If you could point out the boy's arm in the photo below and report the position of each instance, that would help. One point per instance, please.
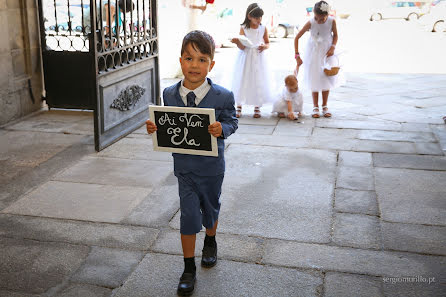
(229, 122)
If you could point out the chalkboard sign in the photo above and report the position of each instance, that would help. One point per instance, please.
(183, 130)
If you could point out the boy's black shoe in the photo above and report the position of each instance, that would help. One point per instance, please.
(187, 284)
(209, 256)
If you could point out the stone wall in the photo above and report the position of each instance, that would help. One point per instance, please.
(19, 59)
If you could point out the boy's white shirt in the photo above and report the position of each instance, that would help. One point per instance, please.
(199, 92)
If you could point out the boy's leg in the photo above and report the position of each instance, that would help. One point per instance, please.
(188, 244)
(210, 190)
(190, 224)
(213, 230)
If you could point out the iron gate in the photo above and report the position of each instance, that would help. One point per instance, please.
(101, 55)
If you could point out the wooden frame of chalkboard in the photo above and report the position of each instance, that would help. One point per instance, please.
(183, 130)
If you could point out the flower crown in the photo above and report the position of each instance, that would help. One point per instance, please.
(325, 7)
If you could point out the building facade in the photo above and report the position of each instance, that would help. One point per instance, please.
(21, 82)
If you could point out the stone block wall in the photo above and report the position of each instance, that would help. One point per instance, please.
(20, 59)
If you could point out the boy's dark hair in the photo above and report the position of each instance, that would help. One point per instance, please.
(201, 41)
(254, 11)
(317, 8)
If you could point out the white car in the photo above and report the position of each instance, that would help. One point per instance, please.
(408, 10)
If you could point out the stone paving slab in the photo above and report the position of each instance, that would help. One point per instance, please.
(397, 136)
(82, 290)
(431, 117)
(107, 267)
(415, 127)
(34, 267)
(268, 140)
(440, 133)
(355, 159)
(259, 188)
(355, 178)
(382, 146)
(437, 101)
(22, 151)
(411, 196)
(333, 143)
(90, 202)
(351, 260)
(300, 128)
(158, 208)
(428, 148)
(76, 232)
(357, 230)
(410, 161)
(4, 293)
(361, 125)
(118, 172)
(335, 133)
(227, 278)
(354, 201)
(343, 284)
(135, 148)
(230, 247)
(255, 129)
(414, 238)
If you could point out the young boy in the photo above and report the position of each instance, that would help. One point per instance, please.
(291, 101)
(199, 177)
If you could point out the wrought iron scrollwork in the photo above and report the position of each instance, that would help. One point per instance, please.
(128, 98)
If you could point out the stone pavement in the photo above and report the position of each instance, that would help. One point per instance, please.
(349, 206)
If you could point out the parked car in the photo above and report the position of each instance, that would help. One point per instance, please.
(408, 10)
(435, 21)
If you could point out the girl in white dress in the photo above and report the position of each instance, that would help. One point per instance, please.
(251, 78)
(290, 100)
(321, 45)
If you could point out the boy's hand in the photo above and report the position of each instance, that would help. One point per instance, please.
(150, 126)
(291, 116)
(215, 129)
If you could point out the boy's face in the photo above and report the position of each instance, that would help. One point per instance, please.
(292, 86)
(195, 67)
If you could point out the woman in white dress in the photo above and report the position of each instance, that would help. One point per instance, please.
(251, 78)
(321, 45)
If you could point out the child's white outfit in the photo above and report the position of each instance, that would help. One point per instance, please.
(281, 104)
(319, 43)
(251, 81)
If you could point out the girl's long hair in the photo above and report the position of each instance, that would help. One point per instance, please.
(254, 11)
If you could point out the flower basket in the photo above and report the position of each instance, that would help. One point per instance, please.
(331, 70)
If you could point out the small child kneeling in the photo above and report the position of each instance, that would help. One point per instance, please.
(290, 101)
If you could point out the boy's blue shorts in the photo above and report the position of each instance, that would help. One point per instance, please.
(199, 201)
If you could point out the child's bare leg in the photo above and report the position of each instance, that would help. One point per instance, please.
(324, 104)
(188, 244)
(213, 231)
(315, 96)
